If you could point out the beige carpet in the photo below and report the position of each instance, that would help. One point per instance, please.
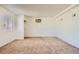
(39, 46)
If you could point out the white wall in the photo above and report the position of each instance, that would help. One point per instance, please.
(66, 29)
(6, 37)
(17, 33)
(69, 27)
(45, 28)
(20, 26)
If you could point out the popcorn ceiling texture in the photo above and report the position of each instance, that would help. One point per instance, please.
(41, 45)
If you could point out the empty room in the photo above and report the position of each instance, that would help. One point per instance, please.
(39, 29)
